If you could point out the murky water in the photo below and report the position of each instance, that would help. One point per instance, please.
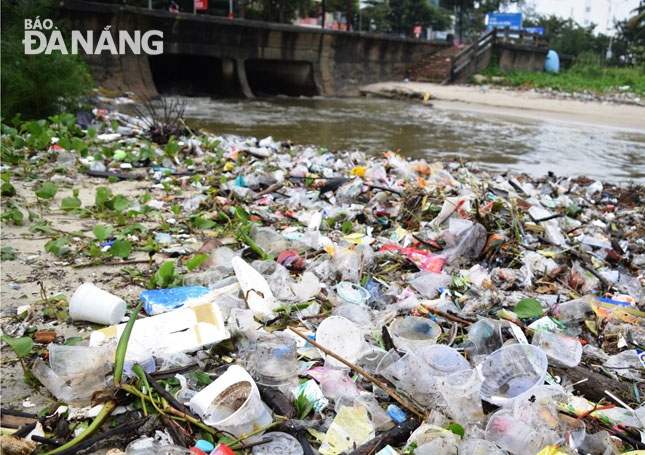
(378, 125)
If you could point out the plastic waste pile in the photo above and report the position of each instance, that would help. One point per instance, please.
(346, 303)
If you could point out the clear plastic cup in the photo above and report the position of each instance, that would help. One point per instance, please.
(479, 447)
(443, 360)
(342, 337)
(513, 435)
(461, 391)
(511, 371)
(276, 361)
(76, 360)
(562, 351)
(92, 304)
(281, 444)
(411, 333)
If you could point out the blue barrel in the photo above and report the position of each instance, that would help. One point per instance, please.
(552, 62)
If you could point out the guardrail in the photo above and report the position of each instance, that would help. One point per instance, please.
(469, 60)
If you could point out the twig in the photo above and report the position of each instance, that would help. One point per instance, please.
(269, 190)
(446, 315)
(362, 372)
(169, 398)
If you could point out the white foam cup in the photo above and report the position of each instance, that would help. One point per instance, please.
(92, 304)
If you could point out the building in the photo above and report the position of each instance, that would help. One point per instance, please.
(603, 13)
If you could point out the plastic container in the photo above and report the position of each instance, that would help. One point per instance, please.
(479, 447)
(552, 62)
(342, 337)
(232, 404)
(276, 361)
(513, 435)
(562, 351)
(74, 360)
(352, 293)
(511, 371)
(412, 333)
(443, 360)
(92, 304)
(461, 390)
(281, 444)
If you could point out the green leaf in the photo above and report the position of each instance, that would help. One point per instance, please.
(7, 254)
(456, 429)
(121, 203)
(194, 262)
(46, 191)
(202, 223)
(7, 189)
(102, 232)
(202, 378)
(347, 227)
(57, 246)
(70, 203)
(528, 308)
(103, 194)
(121, 248)
(22, 346)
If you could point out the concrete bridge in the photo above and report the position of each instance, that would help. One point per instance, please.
(208, 55)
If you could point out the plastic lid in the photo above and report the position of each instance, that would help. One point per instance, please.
(204, 445)
(352, 293)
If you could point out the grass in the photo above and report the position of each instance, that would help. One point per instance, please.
(580, 77)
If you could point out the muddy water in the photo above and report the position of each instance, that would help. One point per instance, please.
(497, 142)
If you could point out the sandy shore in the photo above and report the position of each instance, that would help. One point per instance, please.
(522, 104)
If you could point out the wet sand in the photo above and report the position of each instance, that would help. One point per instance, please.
(522, 104)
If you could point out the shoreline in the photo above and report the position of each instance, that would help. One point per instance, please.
(530, 105)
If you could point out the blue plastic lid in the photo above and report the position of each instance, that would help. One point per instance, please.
(204, 445)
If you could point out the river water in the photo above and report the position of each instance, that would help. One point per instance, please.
(373, 125)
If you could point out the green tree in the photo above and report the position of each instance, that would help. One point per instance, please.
(39, 85)
(403, 15)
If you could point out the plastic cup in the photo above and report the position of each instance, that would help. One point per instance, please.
(76, 360)
(232, 404)
(276, 361)
(461, 390)
(561, 350)
(411, 333)
(513, 435)
(342, 337)
(281, 444)
(443, 360)
(92, 304)
(511, 371)
(479, 447)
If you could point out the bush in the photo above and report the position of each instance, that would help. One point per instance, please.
(37, 86)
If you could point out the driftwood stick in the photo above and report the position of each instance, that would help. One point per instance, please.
(595, 383)
(121, 429)
(362, 372)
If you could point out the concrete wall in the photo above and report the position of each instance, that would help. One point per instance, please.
(229, 50)
(520, 58)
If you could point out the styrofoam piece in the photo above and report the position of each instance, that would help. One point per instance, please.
(89, 303)
(211, 404)
(159, 301)
(181, 330)
(257, 292)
